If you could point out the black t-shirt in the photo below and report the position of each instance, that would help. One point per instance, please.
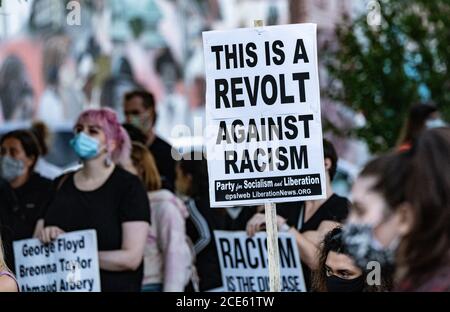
(20, 209)
(162, 152)
(122, 198)
(203, 221)
(334, 209)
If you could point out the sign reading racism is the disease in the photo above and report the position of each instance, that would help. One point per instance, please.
(68, 264)
(244, 266)
(264, 131)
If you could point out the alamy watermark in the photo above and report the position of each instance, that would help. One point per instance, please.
(73, 8)
(74, 16)
(374, 14)
(373, 277)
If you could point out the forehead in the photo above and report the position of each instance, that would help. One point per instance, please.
(371, 201)
(135, 103)
(338, 261)
(87, 123)
(12, 143)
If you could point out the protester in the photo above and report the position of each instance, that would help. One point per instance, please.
(27, 194)
(420, 117)
(400, 217)
(7, 280)
(309, 221)
(104, 197)
(192, 184)
(140, 111)
(43, 167)
(337, 271)
(135, 134)
(168, 260)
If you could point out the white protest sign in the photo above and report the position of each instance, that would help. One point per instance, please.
(243, 262)
(68, 264)
(264, 130)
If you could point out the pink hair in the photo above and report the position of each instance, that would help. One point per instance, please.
(107, 120)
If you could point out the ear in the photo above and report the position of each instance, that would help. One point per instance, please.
(112, 145)
(405, 217)
(30, 161)
(152, 116)
(189, 178)
(328, 164)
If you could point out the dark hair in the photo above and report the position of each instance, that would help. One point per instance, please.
(333, 242)
(330, 152)
(421, 178)
(28, 141)
(194, 164)
(135, 134)
(415, 123)
(42, 135)
(148, 100)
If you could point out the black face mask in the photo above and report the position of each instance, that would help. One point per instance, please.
(337, 284)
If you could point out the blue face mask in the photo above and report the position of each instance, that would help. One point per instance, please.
(85, 146)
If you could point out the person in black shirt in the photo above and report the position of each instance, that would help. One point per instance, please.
(25, 194)
(193, 187)
(106, 198)
(140, 111)
(310, 221)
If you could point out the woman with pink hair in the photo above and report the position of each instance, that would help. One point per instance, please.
(104, 197)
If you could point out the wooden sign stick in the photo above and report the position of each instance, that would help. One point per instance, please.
(272, 232)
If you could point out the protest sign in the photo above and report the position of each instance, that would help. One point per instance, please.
(264, 131)
(68, 264)
(243, 262)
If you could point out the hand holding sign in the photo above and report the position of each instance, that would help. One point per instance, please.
(67, 264)
(258, 223)
(49, 234)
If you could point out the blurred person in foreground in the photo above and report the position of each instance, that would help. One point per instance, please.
(401, 215)
(8, 282)
(421, 117)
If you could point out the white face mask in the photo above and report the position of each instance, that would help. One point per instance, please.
(364, 247)
(435, 123)
(11, 168)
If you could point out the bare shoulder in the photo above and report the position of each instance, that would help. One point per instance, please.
(7, 284)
